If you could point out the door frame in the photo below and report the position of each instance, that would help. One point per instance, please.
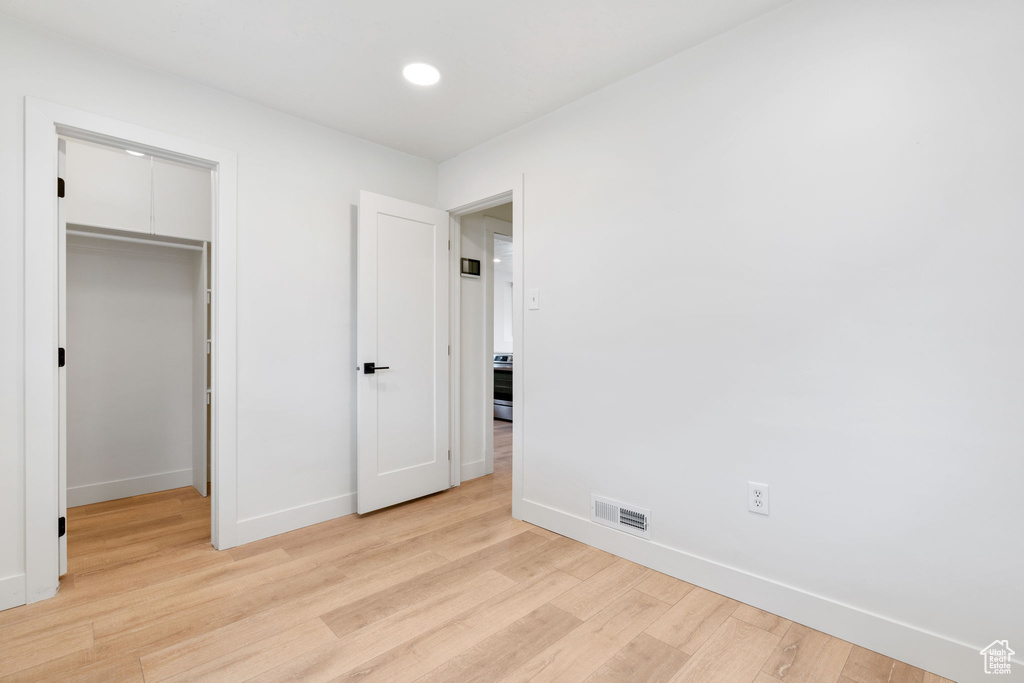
(44, 122)
(512, 192)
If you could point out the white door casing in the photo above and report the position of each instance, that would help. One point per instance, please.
(402, 324)
(62, 343)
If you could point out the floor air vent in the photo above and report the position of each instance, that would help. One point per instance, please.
(628, 518)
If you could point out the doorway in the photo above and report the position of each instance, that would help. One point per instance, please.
(486, 344)
(45, 487)
(134, 294)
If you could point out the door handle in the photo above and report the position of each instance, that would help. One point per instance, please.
(370, 368)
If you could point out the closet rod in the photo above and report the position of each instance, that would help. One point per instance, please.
(118, 238)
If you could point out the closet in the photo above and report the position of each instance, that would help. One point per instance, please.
(136, 322)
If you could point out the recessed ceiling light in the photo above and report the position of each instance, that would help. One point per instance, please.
(134, 153)
(497, 260)
(421, 74)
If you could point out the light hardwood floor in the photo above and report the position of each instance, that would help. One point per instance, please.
(446, 588)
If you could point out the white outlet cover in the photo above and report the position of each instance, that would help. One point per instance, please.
(758, 498)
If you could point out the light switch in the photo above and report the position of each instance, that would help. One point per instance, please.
(534, 300)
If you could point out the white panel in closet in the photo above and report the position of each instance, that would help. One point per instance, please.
(182, 201)
(107, 188)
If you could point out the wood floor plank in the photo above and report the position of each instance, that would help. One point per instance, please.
(122, 669)
(80, 520)
(865, 666)
(335, 546)
(601, 589)
(92, 537)
(458, 540)
(506, 650)
(331, 661)
(542, 559)
(427, 514)
(425, 653)
(133, 503)
(257, 657)
(586, 563)
(198, 591)
(357, 615)
(297, 539)
(291, 583)
(692, 620)
(171, 566)
(136, 534)
(36, 610)
(761, 619)
(109, 556)
(25, 652)
(735, 652)
(122, 607)
(668, 589)
(442, 517)
(540, 531)
(807, 656)
(643, 660)
(221, 641)
(595, 641)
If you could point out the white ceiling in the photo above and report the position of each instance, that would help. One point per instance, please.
(339, 62)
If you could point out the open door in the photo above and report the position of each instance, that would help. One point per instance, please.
(402, 351)
(62, 343)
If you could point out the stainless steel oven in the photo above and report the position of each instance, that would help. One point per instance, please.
(503, 386)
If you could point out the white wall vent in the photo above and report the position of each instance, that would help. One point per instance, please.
(629, 518)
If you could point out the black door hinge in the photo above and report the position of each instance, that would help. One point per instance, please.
(60, 187)
(62, 526)
(60, 357)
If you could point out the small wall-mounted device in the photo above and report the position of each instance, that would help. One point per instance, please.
(470, 267)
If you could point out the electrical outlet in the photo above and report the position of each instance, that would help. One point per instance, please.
(758, 498)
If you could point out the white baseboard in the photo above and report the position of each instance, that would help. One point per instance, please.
(123, 488)
(472, 470)
(929, 651)
(12, 591)
(265, 526)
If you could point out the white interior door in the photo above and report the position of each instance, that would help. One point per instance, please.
(62, 342)
(402, 351)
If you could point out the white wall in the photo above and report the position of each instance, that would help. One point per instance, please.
(298, 187)
(131, 335)
(803, 267)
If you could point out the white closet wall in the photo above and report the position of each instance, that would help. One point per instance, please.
(131, 341)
